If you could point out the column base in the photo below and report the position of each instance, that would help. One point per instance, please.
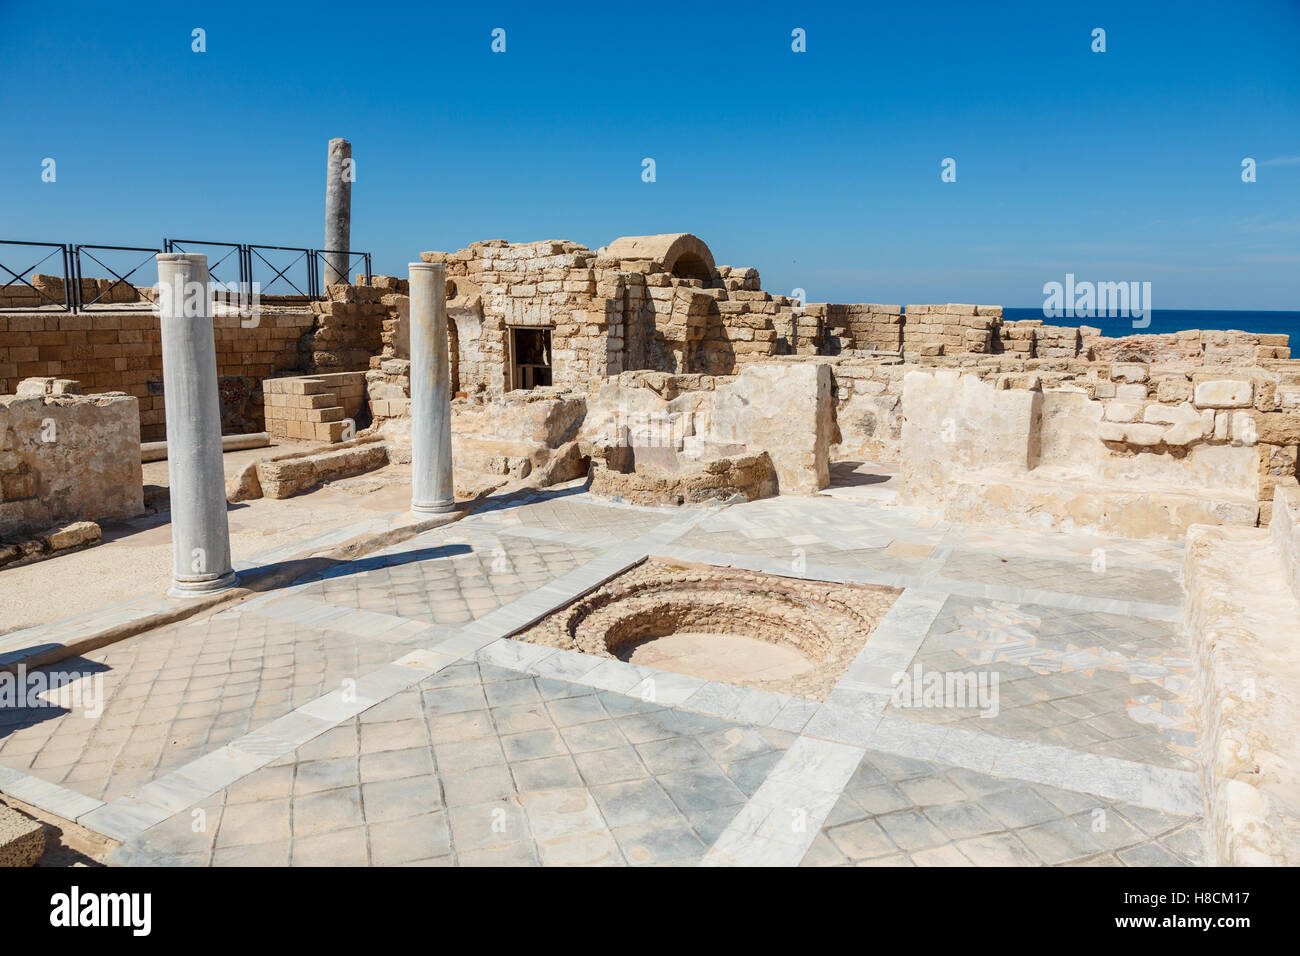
(189, 589)
(433, 507)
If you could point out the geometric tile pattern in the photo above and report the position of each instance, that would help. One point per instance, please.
(896, 811)
(1088, 681)
(177, 693)
(449, 580)
(1152, 585)
(480, 765)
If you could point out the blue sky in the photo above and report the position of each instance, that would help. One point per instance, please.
(821, 169)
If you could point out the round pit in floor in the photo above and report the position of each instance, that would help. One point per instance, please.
(730, 658)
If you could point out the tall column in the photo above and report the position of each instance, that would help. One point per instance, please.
(200, 532)
(338, 210)
(431, 484)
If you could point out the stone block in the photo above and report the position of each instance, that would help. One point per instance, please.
(1129, 372)
(1123, 412)
(1143, 434)
(22, 839)
(1131, 393)
(1224, 393)
(1172, 415)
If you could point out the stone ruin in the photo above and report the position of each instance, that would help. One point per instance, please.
(661, 378)
(669, 379)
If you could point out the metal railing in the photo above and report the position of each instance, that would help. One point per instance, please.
(201, 245)
(256, 260)
(41, 298)
(82, 249)
(243, 263)
(350, 259)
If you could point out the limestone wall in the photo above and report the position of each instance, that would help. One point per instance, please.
(781, 408)
(67, 457)
(606, 313)
(989, 453)
(1285, 531)
(47, 289)
(121, 349)
(951, 328)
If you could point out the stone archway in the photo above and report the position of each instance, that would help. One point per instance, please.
(684, 255)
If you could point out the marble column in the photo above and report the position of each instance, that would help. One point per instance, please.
(431, 483)
(200, 532)
(338, 212)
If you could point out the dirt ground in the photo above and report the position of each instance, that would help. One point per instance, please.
(66, 844)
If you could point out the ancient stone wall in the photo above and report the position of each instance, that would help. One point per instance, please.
(67, 457)
(1008, 449)
(605, 314)
(121, 350)
(949, 329)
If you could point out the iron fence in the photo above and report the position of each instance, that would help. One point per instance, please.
(243, 263)
(256, 260)
(16, 287)
(237, 267)
(350, 259)
(83, 251)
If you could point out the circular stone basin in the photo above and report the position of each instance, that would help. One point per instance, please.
(720, 657)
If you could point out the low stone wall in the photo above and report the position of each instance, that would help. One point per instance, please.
(121, 349)
(66, 457)
(1007, 451)
(1284, 528)
(46, 290)
(726, 479)
(298, 474)
(949, 329)
(782, 408)
(1240, 617)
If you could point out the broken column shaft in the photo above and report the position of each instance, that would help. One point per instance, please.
(200, 531)
(431, 479)
(338, 211)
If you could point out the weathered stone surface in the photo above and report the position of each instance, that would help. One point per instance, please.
(1240, 615)
(283, 478)
(244, 485)
(1224, 393)
(67, 457)
(785, 409)
(1172, 414)
(1140, 433)
(22, 839)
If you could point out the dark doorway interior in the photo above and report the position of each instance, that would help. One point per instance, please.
(531, 354)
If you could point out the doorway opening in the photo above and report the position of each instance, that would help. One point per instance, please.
(530, 358)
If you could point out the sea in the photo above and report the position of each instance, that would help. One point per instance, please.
(1176, 320)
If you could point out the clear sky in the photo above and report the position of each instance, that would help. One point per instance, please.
(821, 169)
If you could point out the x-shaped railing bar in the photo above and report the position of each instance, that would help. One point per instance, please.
(280, 273)
(353, 258)
(18, 276)
(236, 249)
(77, 250)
